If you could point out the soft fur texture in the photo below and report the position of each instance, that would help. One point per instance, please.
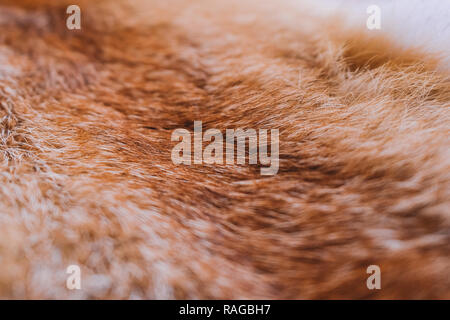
(86, 176)
(423, 24)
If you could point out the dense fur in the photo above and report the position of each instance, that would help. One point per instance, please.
(86, 175)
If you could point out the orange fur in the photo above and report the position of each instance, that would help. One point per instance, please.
(86, 174)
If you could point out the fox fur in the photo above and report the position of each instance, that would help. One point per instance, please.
(86, 176)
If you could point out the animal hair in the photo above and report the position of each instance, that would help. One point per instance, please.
(86, 175)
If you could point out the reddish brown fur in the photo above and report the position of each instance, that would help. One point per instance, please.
(86, 174)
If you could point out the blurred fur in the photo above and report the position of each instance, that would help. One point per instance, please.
(86, 176)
